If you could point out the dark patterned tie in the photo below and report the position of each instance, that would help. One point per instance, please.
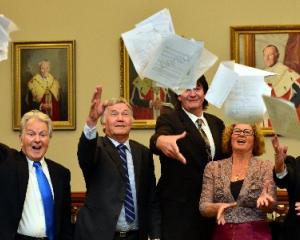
(128, 201)
(204, 136)
(47, 198)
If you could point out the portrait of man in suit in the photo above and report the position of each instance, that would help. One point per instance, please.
(185, 140)
(35, 191)
(119, 175)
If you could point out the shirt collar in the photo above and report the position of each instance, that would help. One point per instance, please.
(116, 143)
(30, 162)
(194, 118)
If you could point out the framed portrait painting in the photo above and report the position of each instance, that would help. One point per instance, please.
(148, 101)
(44, 79)
(274, 49)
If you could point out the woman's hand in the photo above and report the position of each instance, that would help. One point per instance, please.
(265, 201)
(220, 214)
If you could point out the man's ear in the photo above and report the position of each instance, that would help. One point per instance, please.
(179, 98)
(20, 139)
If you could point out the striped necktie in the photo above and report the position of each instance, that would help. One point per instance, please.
(199, 122)
(47, 198)
(128, 201)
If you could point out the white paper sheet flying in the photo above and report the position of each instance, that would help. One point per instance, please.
(140, 44)
(6, 27)
(283, 116)
(173, 60)
(164, 57)
(160, 18)
(240, 89)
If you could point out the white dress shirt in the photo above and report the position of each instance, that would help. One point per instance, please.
(205, 128)
(33, 217)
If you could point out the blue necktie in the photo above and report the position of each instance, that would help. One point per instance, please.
(128, 201)
(48, 202)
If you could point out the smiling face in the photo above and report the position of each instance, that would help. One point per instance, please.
(242, 138)
(192, 100)
(35, 139)
(118, 121)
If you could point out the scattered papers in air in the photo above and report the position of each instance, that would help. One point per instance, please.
(283, 116)
(164, 57)
(172, 63)
(6, 27)
(239, 88)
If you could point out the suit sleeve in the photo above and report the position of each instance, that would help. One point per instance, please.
(86, 152)
(66, 217)
(154, 220)
(288, 180)
(3, 152)
(163, 127)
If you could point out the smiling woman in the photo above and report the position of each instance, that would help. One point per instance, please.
(239, 190)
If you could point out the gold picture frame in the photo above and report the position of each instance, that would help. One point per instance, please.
(247, 45)
(147, 100)
(52, 92)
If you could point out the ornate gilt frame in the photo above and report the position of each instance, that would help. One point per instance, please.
(25, 58)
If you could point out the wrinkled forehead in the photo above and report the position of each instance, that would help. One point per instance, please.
(119, 107)
(35, 124)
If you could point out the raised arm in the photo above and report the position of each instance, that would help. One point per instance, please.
(280, 155)
(96, 108)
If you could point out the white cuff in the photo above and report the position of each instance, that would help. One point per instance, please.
(90, 133)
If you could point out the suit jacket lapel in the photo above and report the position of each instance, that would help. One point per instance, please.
(190, 126)
(192, 131)
(214, 131)
(114, 154)
(23, 176)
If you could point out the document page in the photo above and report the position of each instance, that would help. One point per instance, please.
(283, 116)
(172, 60)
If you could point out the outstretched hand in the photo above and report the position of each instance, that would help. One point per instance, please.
(280, 154)
(96, 108)
(221, 209)
(168, 145)
(265, 201)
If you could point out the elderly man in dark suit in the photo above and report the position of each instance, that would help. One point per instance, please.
(35, 191)
(119, 175)
(287, 175)
(193, 138)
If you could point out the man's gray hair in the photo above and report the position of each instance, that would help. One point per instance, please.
(111, 102)
(37, 115)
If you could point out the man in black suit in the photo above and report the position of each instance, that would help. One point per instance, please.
(287, 175)
(119, 176)
(179, 136)
(23, 215)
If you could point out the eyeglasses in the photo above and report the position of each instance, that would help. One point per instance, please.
(246, 132)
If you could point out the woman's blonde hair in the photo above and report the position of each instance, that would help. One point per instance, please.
(258, 143)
